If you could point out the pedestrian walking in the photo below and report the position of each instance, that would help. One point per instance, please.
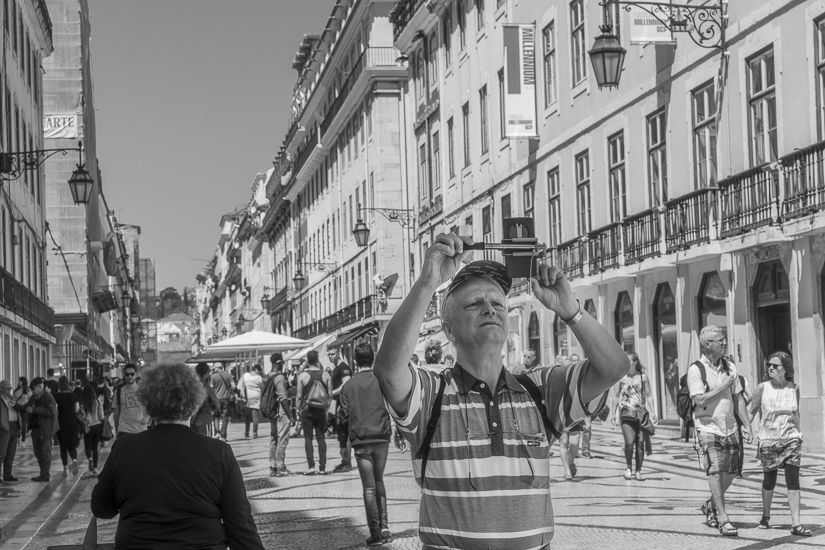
(69, 429)
(528, 362)
(634, 408)
(9, 430)
(130, 418)
(224, 388)
(42, 409)
(487, 443)
(210, 408)
(92, 405)
(432, 356)
(172, 487)
(715, 389)
(77, 390)
(21, 395)
(313, 393)
(449, 361)
(586, 426)
(250, 385)
(276, 407)
(340, 375)
(370, 432)
(780, 437)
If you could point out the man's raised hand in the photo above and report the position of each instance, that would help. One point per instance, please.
(552, 289)
(443, 259)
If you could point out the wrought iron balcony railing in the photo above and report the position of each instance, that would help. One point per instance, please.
(605, 247)
(748, 200)
(689, 219)
(643, 235)
(571, 257)
(804, 175)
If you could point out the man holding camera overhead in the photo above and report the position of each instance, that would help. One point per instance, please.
(490, 436)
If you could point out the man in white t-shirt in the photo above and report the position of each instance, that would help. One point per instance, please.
(130, 416)
(718, 403)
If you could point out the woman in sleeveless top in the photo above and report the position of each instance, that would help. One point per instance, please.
(779, 438)
(632, 397)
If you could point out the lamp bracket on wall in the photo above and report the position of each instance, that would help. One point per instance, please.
(704, 24)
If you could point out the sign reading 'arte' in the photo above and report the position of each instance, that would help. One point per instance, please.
(60, 126)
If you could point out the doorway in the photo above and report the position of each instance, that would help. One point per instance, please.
(773, 313)
(667, 352)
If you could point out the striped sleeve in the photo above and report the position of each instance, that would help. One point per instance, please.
(413, 425)
(563, 397)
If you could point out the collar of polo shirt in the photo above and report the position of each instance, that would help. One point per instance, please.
(466, 381)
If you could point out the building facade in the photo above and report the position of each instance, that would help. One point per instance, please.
(26, 319)
(687, 197)
(90, 281)
(339, 164)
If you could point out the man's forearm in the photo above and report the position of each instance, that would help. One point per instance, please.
(608, 361)
(402, 331)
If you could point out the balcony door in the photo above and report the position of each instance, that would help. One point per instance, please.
(625, 328)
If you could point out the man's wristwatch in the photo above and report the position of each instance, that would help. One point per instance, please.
(576, 318)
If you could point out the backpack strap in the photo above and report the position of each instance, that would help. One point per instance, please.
(435, 414)
(535, 394)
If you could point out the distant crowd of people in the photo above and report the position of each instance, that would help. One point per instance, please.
(479, 434)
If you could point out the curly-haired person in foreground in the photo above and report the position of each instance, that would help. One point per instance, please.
(173, 487)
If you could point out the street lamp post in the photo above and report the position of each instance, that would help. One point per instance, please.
(704, 24)
(81, 183)
(361, 231)
(300, 280)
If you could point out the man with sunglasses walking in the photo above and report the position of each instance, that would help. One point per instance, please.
(130, 417)
(716, 391)
(486, 481)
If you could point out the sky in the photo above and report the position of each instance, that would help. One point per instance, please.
(192, 101)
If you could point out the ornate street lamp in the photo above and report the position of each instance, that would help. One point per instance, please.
(704, 24)
(361, 231)
(81, 184)
(135, 317)
(607, 55)
(299, 280)
(265, 302)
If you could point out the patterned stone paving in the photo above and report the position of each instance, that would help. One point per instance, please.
(599, 509)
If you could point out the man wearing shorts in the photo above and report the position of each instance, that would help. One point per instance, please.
(715, 422)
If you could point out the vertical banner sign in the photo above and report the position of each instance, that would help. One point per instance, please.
(520, 118)
(645, 28)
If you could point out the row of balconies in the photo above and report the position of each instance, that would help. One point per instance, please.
(353, 313)
(22, 301)
(766, 195)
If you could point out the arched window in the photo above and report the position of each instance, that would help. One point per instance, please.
(625, 330)
(667, 350)
(534, 336)
(559, 337)
(712, 302)
(590, 308)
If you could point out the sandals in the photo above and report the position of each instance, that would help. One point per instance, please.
(728, 531)
(710, 515)
(764, 523)
(800, 531)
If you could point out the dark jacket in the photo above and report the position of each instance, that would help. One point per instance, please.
(45, 407)
(362, 403)
(175, 488)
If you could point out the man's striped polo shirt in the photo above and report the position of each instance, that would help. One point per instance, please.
(487, 483)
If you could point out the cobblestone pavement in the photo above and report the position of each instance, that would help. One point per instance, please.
(599, 509)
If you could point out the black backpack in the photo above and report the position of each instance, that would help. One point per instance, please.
(684, 402)
(525, 381)
(270, 404)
